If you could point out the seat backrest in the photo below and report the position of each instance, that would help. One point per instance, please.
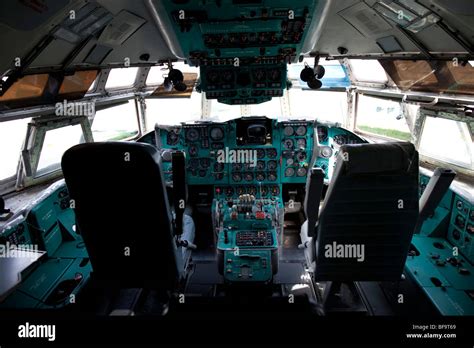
(123, 213)
(369, 213)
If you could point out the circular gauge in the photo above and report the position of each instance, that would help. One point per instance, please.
(212, 76)
(252, 190)
(301, 171)
(205, 163)
(322, 134)
(289, 172)
(260, 176)
(229, 191)
(290, 162)
(340, 139)
(288, 131)
(301, 156)
(259, 75)
(172, 138)
(218, 167)
(202, 173)
(236, 177)
(301, 130)
(227, 76)
(301, 143)
(260, 153)
(192, 135)
(275, 190)
(274, 74)
(237, 167)
(264, 190)
(217, 133)
(260, 165)
(271, 153)
(272, 176)
(325, 151)
(288, 144)
(193, 163)
(248, 176)
(193, 150)
(470, 228)
(240, 190)
(218, 176)
(272, 165)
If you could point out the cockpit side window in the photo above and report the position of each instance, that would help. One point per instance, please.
(121, 78)
(382, 118)
(12, 135)
(448, 141)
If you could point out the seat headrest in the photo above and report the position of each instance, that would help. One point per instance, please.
(116, 153)
(378, 158)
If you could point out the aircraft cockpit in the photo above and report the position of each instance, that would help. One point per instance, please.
(236, 159)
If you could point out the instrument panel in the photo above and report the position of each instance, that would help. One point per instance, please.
(247, 153)
(252, 154)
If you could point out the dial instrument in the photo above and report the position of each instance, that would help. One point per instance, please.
(217, 133)
(192, 135)
(301, 143)
(289, 172)
(301, 130)
(288, 144)
(248, 176)
(288, 131)
(260, 165)
(260, 176)
(272, 165)
(271, 153)
(236, 177)
(301, 171)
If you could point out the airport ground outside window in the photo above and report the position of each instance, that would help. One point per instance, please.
(12, 136)
(383, 118)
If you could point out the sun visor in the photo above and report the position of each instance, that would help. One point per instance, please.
(449, 77)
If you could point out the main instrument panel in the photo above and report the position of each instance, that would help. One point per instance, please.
(253, 155)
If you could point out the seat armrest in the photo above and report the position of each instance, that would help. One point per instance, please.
(314, 190)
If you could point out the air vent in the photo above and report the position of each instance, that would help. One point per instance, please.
(120, 29)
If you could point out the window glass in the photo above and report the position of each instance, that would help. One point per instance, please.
(320, 105)
(382, 117)
(447, 140)
(12, 136)
(121, 77)
(173, 111)
(56, 142)
(368, 71)
(116, 123)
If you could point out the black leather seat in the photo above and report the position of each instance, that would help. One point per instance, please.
(372, 204)
(123, 214)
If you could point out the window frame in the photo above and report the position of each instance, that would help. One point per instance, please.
(33, 146)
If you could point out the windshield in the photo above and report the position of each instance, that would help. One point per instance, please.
(299, 102)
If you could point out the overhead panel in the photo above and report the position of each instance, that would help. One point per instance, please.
(241, 46)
